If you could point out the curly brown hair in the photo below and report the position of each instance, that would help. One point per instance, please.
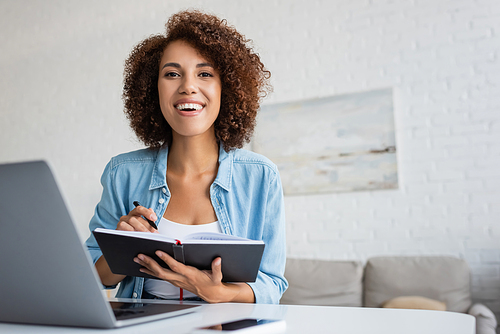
(244, 79)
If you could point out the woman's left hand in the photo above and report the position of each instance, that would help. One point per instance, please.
(207, 284)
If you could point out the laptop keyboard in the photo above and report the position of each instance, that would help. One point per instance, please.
(121, 314)
(124, 310)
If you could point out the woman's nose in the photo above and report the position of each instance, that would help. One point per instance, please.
(188, 85)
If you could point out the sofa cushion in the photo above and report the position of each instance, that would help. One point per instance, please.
(320, 282)
(442, 278)
(415, 303)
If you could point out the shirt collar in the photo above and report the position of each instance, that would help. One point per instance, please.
(159, 177)
(224, 174)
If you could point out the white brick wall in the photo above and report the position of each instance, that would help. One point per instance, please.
(61, 66)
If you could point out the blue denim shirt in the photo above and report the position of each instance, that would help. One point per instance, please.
(246, 195)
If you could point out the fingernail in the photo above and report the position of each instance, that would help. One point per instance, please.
(159, 254)
(136, 260)
(218, 262)
(140, 256)
(153, 217)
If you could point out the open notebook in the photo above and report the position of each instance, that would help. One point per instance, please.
(47, 276)
(240, 257)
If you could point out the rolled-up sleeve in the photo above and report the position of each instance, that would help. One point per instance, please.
(107, 212)
(271, 282)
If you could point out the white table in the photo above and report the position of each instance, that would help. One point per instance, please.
(299, 319)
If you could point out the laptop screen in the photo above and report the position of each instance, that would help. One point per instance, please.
(47, 276)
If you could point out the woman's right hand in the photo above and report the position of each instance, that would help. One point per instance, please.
(135, 221)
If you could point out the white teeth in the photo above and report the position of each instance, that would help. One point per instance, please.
(193, 106)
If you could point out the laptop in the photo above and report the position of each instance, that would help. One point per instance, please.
(46, 274)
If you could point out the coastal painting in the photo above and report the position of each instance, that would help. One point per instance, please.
(333, 144)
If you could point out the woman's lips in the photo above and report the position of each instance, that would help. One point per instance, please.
(189, 109)
(191, 106)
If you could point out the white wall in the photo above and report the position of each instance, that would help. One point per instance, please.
(60, 88)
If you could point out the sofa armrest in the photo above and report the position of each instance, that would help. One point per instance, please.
(486, 323)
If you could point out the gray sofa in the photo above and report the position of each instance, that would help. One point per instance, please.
(441, 279)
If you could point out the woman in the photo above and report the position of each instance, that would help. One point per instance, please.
(192, 97)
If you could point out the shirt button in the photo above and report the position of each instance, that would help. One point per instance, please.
(161, 201)
(134, 295)
(164, 190)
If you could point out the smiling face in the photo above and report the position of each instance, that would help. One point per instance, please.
(190, 91)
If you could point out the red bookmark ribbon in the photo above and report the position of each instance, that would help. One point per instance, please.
(181, 292)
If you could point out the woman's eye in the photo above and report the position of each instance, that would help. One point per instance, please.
(171, 74)
(206, 75)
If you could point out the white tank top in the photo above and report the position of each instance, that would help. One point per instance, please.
(170, 229)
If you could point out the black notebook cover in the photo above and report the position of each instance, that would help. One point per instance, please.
(240, 262)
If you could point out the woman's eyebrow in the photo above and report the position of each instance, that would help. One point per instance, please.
(176, 65)
(204, 65)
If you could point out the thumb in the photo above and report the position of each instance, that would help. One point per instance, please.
(217, 269)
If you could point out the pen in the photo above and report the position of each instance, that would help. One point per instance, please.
(136, 203)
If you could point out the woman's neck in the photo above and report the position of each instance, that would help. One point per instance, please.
(193, 156)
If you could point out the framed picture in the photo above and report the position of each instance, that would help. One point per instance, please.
(339, 143)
